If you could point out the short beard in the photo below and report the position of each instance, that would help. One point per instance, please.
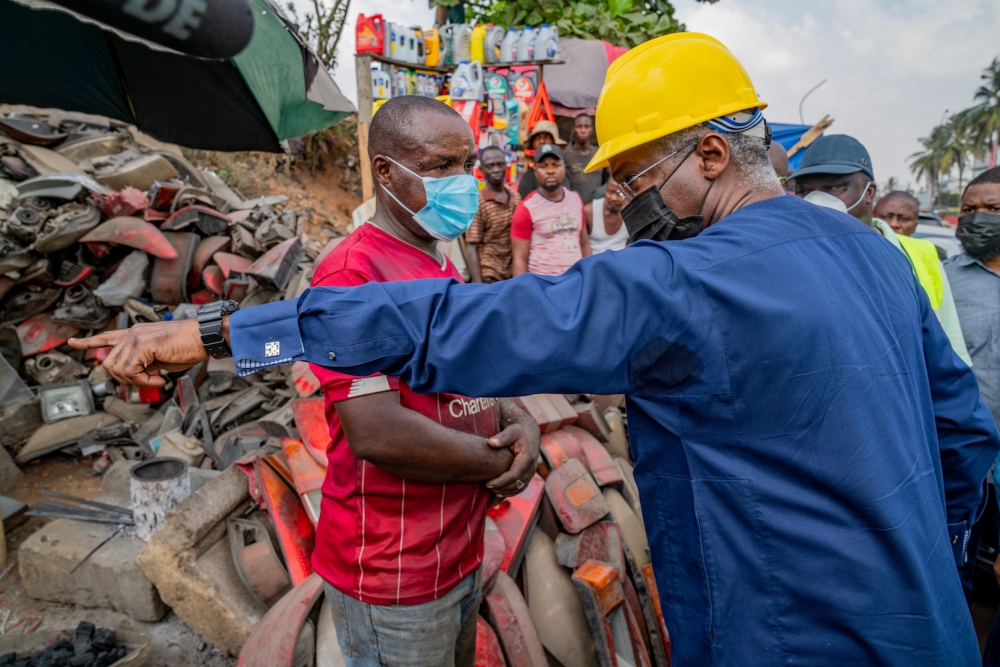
(549, 189)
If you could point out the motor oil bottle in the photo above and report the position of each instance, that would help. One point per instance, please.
(390, 40)
(526, 45)
(467, 81)
(546, 43)
(418, 39)
(476, 48)
(462, 43)
(508, 47)
(432, 47)
(493, 44)
(447, 32)
(369, 36)
(411, 83)
(399, 82)
(381, 84)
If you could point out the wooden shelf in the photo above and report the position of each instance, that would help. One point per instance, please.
(373, 57)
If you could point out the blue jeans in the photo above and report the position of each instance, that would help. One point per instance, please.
(439, 633)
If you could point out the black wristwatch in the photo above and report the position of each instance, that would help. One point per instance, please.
(210, 323)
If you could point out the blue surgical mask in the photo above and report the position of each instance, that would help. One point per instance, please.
(452, 202)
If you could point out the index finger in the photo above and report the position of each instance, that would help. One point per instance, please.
(105, 339)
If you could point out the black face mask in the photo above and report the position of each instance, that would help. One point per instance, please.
(979, 233)
(648, 216)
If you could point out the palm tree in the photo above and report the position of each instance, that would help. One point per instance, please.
(983, 120)
(956, 150)
(927, 163)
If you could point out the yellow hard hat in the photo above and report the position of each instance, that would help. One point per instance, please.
(666, 85)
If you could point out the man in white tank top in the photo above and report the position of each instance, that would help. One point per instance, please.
(604, 220)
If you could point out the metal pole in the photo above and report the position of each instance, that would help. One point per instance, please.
(811, 91)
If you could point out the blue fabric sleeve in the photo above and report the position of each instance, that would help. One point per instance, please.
(533, 334)
(967, 435)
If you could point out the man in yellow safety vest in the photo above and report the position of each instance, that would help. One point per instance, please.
(837, 167)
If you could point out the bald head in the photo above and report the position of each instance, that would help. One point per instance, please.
(779, 159)
(402, 123)
(901, 210)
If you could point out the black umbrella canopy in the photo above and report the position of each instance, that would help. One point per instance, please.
(272, 90)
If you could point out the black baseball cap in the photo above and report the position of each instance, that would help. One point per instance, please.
(835, 154)
(546, 150)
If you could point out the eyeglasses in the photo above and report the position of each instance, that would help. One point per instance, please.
(625, 189)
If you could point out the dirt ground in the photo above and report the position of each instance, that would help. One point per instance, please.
(173, 642)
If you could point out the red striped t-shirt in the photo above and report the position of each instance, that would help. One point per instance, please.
(553, 229)
(382, 539)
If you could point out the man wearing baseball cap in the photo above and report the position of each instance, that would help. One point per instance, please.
(836, 171)
(809, 452)
(544, 132)
(548, 232)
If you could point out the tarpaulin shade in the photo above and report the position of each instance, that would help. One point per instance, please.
(788, 135)
(273, 90)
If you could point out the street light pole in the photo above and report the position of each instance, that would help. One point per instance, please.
(811, 91)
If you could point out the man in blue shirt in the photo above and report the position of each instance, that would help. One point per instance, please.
(810, 452)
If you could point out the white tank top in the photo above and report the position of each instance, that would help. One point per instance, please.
(599, 238)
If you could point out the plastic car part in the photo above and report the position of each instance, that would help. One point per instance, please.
(80, 309)
(555, 606)
(29, 302)
(278, 264)
(488, 651)
(654, 600)
(272, 642)
(209, 221)
(493, 552)
(303, 379)
(307, 475)
(134, 233)
(128, 280)
(16, 168)
(65, 400)
(39, 274)
(169, 281)
(614, 628)
(31, 131)
(559, 446)
(575, 496)
(598, 461)
(230, 263)
(213, 280)
(590, 417)
(193, 196)
(551, 411)
(45, 161)
(515, 518)
(127, 201)
(88, 148)
(509, 616)
(618, 441)
(603, 542)
(244, 243)
(295, 531)
(14, 256)
(161, 195)
(39, 333)
(66, 186)
(630, 490)
(53, 367)
(235, 288)
(257, 561)
(72, 274)
(142, 395)
(5, 285)
(310, 421)
(207, 248)
(132, 168)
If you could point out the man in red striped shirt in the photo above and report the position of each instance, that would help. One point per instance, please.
(547, 232)
(400, 536)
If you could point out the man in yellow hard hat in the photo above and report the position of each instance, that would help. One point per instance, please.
(809, 450)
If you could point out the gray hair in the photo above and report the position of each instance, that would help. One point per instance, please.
(748, 154)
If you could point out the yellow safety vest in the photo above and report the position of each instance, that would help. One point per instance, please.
(924, 259)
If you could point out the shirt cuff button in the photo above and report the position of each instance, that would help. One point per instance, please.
(331, 356)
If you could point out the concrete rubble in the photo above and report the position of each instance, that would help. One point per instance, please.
(101, 228)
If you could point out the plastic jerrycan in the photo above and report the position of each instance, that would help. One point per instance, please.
(467, 81)
(432, 47)
(369, 34)
(508, 48)
(381, 84)
(462, 43)
(526, 45)
(546, 43)
(390, 39)
(399, 85)
(478, 37)
(493, 44)
(418, 39)
(447, 32)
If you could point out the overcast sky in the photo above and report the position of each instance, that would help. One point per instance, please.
(892, 67)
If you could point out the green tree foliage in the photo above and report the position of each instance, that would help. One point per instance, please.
(620, 22)
(321, 28)
(970, 133)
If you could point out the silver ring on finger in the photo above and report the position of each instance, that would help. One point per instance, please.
(518, 484)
